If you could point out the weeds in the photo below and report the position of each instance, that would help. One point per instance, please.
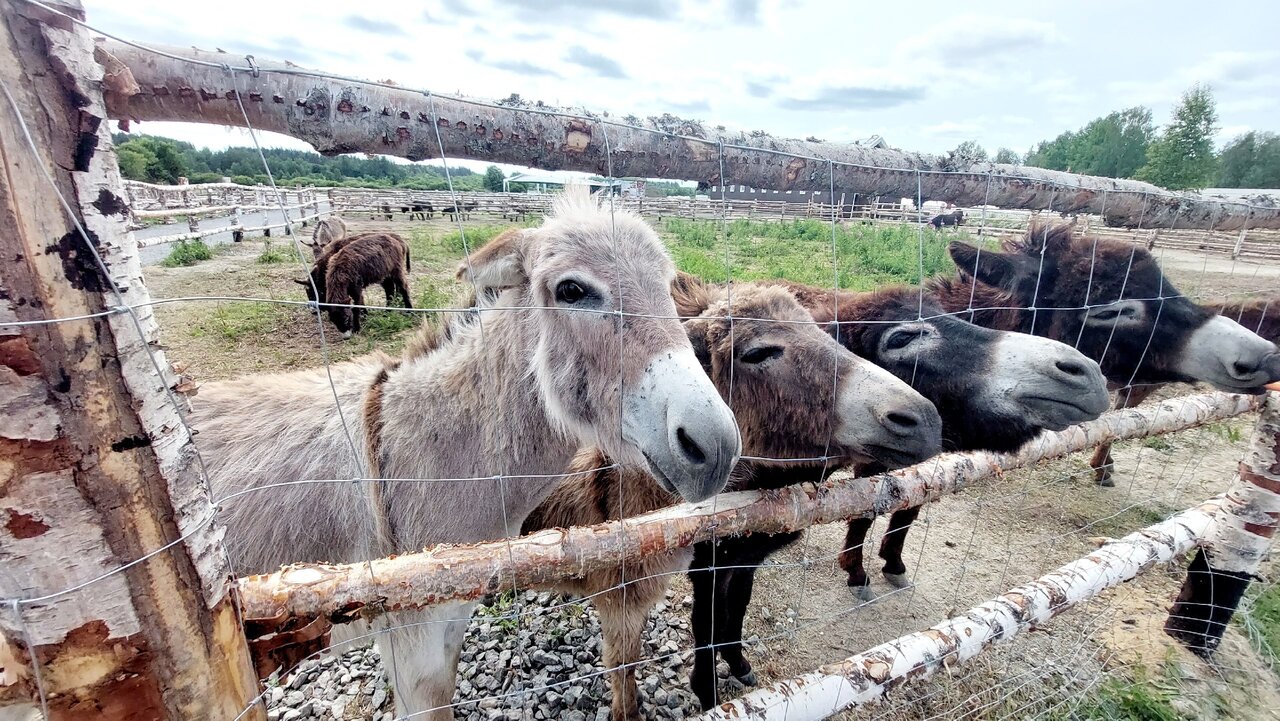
(235, 321)
(1158, 443)
(1125, 699)
(868, 256)
(1227, 432)
(272, 254)
(187, 252)
(1263, 622)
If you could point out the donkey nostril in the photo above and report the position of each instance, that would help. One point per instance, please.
(904, 421)
(690, 448)
(1072, 368)
(1240, 369)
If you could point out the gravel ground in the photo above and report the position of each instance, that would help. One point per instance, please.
(536, 656)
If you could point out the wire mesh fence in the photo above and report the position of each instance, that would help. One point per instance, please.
(555, 377)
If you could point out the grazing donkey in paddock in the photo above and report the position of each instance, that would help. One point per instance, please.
(796, 394)
(327, 231)
(955, 217)
(1110, 300)
(510, 399)
(381, 258)
(1260, 315)
(321, 266)
(994, 391)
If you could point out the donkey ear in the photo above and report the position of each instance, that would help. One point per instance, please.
(990, 267)
(690, 294)
(499, 264)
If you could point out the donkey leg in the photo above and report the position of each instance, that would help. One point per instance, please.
(895, 571)
(390, 290)
(737, 597)
(851, 557)
(622, 620)
(702, 677)
(1103, 465)
(420, 652)
(403, 284)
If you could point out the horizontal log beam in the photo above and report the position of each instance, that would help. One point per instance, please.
(338, 115)
(454, 572)
(865, 677)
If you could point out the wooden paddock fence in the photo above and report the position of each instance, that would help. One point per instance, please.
(191, 202)
(117, 601)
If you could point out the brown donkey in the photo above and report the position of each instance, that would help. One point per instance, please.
(796, 394)
(1110, 300)
(500, 404)
(994, 391)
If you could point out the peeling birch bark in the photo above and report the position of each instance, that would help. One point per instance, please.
(349, 116)
(1240, 540)
(867, 676)
(467, 572)
(96, 467)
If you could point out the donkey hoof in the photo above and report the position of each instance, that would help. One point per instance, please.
(346, 335)
(865, 593)
(748, 678)
(898, 580)
(1103, 478)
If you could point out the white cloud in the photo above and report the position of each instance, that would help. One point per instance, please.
(951, 129)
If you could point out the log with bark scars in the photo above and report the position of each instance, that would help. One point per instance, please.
(867, 676)
(96, 467)
(350, 116)
(1241, 540)
(451, 572)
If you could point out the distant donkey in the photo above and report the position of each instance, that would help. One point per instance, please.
(955, 217)
(327, 231)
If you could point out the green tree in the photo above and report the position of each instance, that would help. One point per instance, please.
(1007, 155)
(969, 151)
(133, 162)
(1250, 161)
(493, 179)
(1114, 145)
(167, 166)
(1182, 157)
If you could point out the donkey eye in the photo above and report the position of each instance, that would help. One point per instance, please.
(569, 291)
(761, 354)
(902, 338)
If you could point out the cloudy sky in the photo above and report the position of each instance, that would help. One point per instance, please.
(925, 75)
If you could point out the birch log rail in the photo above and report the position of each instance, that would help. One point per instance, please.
(341, 115)
(865, 677)
(447, 572)
(96, 466)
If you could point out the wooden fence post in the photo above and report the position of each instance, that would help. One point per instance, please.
(1238, 543)
(96, 467)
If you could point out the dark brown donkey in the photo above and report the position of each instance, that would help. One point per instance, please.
(360, 261)
(797, 395)
(994, 390)
(1110, 300)
(1260, 315)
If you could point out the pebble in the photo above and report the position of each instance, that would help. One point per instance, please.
(544, 665)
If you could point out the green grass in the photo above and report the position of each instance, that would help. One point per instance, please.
(1139, 698)
(868, 256)
(238, 320)
(1158, 443)
(1264, 620)
(1227, 432)
(187, 252)
(272, 254)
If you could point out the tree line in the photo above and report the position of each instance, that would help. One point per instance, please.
(1181, 156)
